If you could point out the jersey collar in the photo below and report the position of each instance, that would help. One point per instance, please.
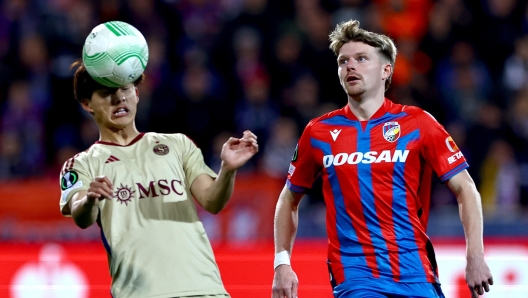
(139, 136)
(387, 104)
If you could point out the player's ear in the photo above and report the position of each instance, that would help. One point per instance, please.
(87, 105)
(387, 71)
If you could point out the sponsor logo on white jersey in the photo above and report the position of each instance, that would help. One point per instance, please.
(365, 157)
(335, 133)
(124, 194)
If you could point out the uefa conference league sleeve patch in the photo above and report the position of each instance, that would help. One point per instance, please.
(69, 181)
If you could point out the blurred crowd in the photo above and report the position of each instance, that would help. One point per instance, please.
(218, 67)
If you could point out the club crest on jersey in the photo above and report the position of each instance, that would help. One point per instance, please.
(161, 149)
(391, 131)
(69, 179)
(123, 194)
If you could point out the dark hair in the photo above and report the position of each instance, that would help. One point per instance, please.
(350, 31)
(84, 85)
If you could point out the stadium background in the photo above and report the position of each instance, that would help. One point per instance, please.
(218, 67)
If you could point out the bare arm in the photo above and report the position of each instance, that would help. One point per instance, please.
(285, 281)
(478, 275)
(213, 194)
(286, 220)
(84, 205)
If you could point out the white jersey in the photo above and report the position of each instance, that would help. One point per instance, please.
(156, 244)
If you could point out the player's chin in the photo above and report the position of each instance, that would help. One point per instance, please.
(121, 123)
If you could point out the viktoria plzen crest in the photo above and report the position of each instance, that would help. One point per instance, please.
(391, 131)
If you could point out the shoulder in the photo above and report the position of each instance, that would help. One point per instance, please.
(179, 141)
(81, 159)
(319, 120)
(170, 137)
(420, 114)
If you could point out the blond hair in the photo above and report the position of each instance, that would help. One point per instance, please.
(350, 31)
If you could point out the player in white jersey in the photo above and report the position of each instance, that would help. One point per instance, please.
(139, 188)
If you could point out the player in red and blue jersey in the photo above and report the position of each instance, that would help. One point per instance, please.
(376, 160)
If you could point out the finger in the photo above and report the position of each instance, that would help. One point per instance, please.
(104, 179)
(278, 293)
(490, 280)
(101, 188)
(249, 133)
(249, 139)
(295, 288)
(232, 141)
(105, 189)
(485, 286)
(108, 182)
(479, 290)
(473, 293)
(93, 195)
(288, 293)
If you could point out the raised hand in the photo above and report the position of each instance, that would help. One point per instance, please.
(236, 152)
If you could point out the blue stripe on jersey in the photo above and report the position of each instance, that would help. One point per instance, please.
(409, 257)
(365, 189)
(454, 171)
(103, 237)
(368, 203)
(105, 243)
(349, 245)
(295, 188)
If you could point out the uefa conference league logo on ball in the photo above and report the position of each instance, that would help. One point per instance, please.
(115, 54)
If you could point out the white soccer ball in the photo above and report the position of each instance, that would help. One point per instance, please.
(115, 54)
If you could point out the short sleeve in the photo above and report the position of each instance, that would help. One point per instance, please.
(193, 161)
(439, 149)
(74, 177)
(303, 168)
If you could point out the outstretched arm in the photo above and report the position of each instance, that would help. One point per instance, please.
(285, 281)
(478, 275)
(213, 194)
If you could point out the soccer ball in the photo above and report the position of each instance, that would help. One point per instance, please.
(115, 54)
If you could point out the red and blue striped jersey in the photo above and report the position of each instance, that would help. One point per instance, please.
(377, 178)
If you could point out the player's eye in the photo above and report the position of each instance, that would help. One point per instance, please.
(342, 61)
(361, 58)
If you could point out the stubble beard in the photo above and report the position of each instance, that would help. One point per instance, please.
(355, 91)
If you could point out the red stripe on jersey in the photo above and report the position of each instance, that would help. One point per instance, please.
(334, 256)
(419, 232)
(362, 232)
(383, 194)
(354, 209)
(383, 199)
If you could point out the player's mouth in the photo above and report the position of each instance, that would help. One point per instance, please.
(120, 112)
(352, 79)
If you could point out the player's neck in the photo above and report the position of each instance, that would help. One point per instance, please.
(118, 136)
(364, 108)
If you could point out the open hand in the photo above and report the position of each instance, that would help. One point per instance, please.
(236, 152)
